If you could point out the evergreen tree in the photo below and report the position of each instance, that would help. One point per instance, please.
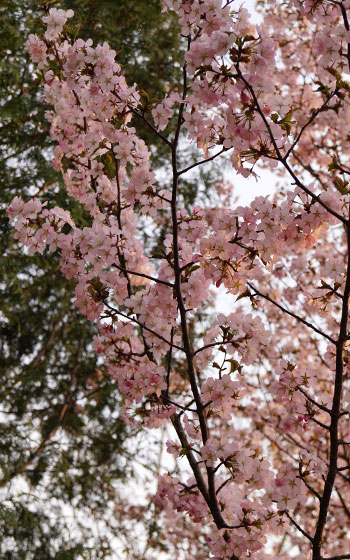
(61, 439)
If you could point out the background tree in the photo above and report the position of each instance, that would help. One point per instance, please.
(48, 368)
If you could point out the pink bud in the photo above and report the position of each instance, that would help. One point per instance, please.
(244, 97)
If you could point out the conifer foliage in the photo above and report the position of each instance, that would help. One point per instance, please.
(60, 462)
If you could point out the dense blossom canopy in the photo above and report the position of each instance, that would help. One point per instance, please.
(258, 397)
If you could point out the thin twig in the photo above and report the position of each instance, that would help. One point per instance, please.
(202, 161)
(298, 526)
(157, 280)
(288, 312)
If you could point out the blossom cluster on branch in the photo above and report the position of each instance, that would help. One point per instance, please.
(258, 397)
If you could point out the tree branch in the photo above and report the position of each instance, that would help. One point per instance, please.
(157, 280)
(335, 415)
(300, 319)
(298, 526)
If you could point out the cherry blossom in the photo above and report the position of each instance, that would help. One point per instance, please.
(257, 397)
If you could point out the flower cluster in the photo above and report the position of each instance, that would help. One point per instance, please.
(253, 394)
